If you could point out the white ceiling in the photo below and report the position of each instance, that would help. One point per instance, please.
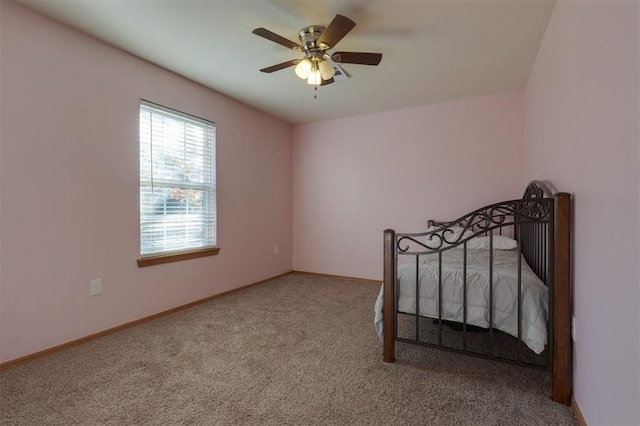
(433, 50)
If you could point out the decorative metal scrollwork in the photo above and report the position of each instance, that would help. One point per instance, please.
(534, 207)
(534, 190)
(531, 206)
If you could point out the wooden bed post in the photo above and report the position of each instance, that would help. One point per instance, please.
(562, 369)
(389, 297)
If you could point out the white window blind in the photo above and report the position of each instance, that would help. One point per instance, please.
(177, 181)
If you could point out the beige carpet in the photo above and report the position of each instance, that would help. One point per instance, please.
(297, 350)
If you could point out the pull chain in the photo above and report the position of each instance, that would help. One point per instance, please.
(315, 92)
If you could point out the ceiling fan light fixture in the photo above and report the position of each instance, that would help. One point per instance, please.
(317, 66)
(326, 70)
(303, 68)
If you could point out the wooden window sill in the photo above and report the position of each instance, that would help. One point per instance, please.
(177, 257)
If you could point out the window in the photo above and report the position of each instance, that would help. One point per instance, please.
(177, 186)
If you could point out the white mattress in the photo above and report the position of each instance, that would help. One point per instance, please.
(535, 300)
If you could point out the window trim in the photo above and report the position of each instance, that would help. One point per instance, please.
(177, 256)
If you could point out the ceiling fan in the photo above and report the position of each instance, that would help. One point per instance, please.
(315, 40)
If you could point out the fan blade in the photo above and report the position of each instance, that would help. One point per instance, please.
(325, 82)
(280, 66)
(360, 58)
(337, 29)
(270, 35)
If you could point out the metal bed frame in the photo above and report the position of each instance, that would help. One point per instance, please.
(541, 223)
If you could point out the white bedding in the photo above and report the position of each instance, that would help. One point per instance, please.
(535, 298)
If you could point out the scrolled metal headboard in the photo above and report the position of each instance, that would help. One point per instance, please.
(528, 219)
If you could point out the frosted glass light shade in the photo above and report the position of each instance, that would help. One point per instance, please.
(326, 70)
(314, 77)
(303, 68)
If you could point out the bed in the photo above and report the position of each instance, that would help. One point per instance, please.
(494, 283)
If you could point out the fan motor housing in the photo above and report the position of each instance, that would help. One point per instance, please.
(310, 35)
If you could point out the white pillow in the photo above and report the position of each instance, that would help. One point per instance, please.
(500, 242)
(452, 235)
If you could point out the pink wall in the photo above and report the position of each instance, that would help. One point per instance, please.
(581, 133)
(354, 177)
(69, 173)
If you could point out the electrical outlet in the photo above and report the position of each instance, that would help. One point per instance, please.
(276, 250)
(95, 287)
